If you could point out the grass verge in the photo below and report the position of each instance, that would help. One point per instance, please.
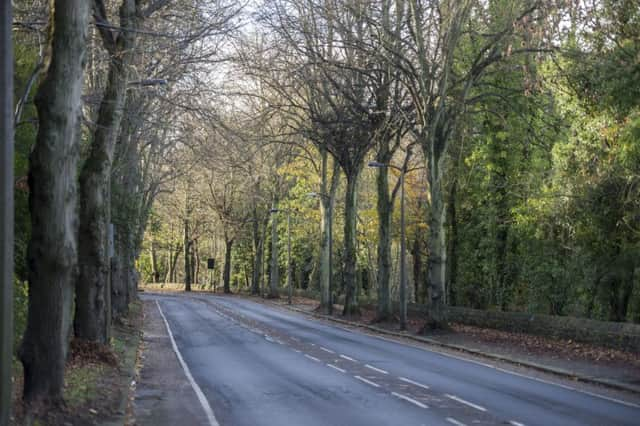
(97, 380)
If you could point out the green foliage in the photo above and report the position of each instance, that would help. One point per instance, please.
(544, 174)
(26, 58)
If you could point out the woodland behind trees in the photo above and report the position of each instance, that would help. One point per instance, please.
(203, 130)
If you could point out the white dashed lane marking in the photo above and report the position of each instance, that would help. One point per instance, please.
(336, 368)
(455, 422)
(404, 379)
(408, 399)
(514, 423)
(312, 357)
(348, 358)
(371, 367)
(327, 350)
(369, 382)
(465, 402)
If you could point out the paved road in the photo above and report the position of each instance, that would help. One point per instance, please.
(257, 365)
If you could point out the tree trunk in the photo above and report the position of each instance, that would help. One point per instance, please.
(155, 274)
(264, 257)
(350, 257)
(452, 257)
(52, 250)
(384, 209)
(123, 202)
(274, 282)
(418, 273)
(187, 268)
(120, 273)
(258, 249)
(92, 321)
(167, 276)
(195, 262)
(436, 242)
(226, 276)
(327, 201)
(174, 264)
(499, 200)
(325, 255)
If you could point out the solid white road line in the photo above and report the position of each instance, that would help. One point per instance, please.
(465, 402)
(203, 400)
(312, 357)
(369, 382)
(571, 388)
(514, 423)
(455, 422)
(336, 368)
(371, 367)
(411, 400)
(327, 350)
(404, 379)
(348, 358)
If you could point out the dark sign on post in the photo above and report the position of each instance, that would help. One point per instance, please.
(211, 263)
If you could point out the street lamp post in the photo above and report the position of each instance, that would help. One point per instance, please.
(6, 212)
(403, 255)
(289, 277)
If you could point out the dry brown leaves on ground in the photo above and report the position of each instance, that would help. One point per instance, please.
(83, 353)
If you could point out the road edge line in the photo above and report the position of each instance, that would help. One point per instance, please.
(211, 417)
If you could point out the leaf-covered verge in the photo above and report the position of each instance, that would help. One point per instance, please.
(97, 378)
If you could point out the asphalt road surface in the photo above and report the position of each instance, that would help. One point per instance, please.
(252, 364)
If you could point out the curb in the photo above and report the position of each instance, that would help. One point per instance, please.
(540, 367)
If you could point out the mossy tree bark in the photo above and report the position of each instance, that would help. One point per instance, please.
(351, 306)
(92, 319)
(328, 188)
(52, 250)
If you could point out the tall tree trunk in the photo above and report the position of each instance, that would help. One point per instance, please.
(350, 257)
(123, 202)
(155, 274)
(384, 243)
(92, 321)
(258, 244)
(327, 202)
(174, 263)
(187, 268)
(265, 267)
(436, 242)
(452, 247)
(325, 236)
(499, 200)
(52, 250)
(418, 272)
(169, 264)
(274, 282)
(226, 276)
(120, 273)
(195, 263)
